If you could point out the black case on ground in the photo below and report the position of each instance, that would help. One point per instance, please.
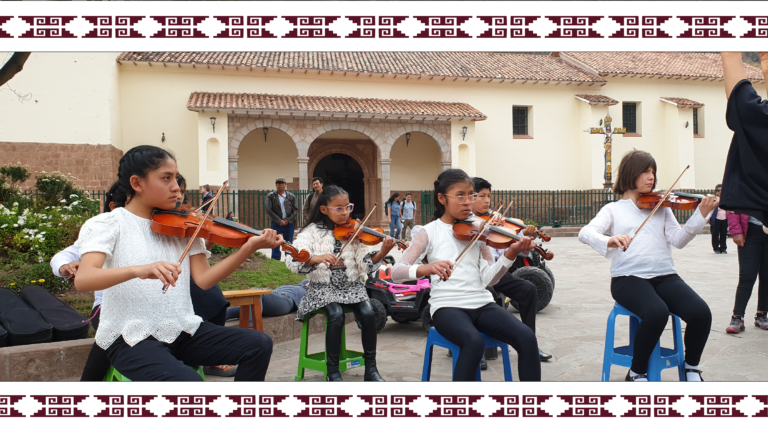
(67, 323)
(3, 337)
(24, 325)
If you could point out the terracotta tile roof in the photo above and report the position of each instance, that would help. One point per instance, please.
(596, 99)
(682, 102)
(330, 105)
(701, 65)
(479, 65)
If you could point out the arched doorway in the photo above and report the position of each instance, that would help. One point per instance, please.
(344, 171)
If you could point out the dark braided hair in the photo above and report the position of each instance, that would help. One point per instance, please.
(109, 197)
(138, 161)
(444, 181)
(317, 217)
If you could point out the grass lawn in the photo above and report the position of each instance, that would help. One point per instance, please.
(259, 272)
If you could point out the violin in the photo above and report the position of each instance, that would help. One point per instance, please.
(517, 225)
(495, 236)
(367, 236)
(675, 200)
(184, 220)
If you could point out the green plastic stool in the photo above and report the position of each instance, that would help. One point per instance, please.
(114, 375)
(348, 359)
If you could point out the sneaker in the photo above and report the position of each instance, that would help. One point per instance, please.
(717, 252)
(222, 371)
(761, 321)
(724, 252)
(638, 377)
(737, 325)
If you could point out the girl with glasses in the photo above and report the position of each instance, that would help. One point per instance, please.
(335, 283)
(460, 305)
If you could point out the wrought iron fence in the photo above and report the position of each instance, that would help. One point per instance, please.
(552, 208)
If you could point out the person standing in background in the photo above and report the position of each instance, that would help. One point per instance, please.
(752, 240)
(406, 214)
(281, 208)
(392, 209)
(311, 200)
(718, 225)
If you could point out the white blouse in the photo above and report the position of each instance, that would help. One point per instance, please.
(137, 309)
(466, 288)
(650, 252)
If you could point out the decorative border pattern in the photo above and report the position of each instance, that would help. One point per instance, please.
(384, 406)
(383, 27)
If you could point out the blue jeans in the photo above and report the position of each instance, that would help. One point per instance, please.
(395, 223)
(287, 232)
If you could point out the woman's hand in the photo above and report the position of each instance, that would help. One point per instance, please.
(620, 241)
(707, 205)
(739, 240)
(388, 244)
(530, 230)
(69, 270)
(522, 246)
(269, 239)
(442, 269)
(328, 259)
(165, 272)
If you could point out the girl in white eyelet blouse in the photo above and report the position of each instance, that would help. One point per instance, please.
(148, 335)
(644, 279)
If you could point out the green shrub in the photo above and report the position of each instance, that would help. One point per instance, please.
(18, 274)
(221, 250)
(11, 177)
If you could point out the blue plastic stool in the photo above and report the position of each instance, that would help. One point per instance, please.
(661, 358)
(436, 338)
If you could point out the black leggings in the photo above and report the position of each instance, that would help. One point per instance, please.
(653, 300)
(753, 261)
(335, 322)
(463, 327)
(719, 231)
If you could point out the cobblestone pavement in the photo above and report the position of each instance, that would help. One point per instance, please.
(572, 327)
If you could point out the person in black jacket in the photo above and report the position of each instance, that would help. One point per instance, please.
(745, 182)
(281, 208)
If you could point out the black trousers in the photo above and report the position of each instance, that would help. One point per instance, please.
(524, 293)
(335, 323)
(653, 300)
(719, 233)
(753, 262)
(463, 328)
(211, 345)
(97, 364)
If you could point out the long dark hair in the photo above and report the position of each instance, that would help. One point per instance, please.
(183, 185)
(444, 181)
(390, 201)
(109, 197)
(317, 217)
(138, 161)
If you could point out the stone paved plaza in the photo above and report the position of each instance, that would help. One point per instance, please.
(572, 327)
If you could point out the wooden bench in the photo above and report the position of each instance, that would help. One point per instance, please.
(250, 305)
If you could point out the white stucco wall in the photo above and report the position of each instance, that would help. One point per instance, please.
(74, 100)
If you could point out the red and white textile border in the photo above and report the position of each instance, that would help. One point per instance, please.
(387, 26)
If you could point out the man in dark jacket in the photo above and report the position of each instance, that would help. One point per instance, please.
(311, 200)
(281, 208)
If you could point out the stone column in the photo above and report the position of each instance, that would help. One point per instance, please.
(370, 198)
(446, 165)
(303, 172)
(385, 166)
(234, 201)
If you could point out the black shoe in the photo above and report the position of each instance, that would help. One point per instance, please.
(371, 373)
(450, 353)
(491, 353)
(334, 376)
(723, 251)
(544, 356)
(693, 370)
(483, 363)
(718, 252)
(638, 377)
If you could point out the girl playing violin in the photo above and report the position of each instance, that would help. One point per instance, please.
(149, 335)
(643, 276)
(460, 305)
(335, 283)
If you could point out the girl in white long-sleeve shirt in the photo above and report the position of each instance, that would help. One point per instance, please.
(643, 276)
(460, 304)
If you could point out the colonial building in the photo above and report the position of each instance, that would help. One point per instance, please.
(372, 122)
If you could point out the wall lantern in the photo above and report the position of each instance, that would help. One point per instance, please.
(213, 124)
(162, 139)
(686, 125)
(463, 132)
(407, 138)
(265, 129)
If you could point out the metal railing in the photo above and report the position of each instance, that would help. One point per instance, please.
(552, 208)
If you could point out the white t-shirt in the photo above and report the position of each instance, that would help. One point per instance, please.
(137, 309)
(650, 253)
(466, 288)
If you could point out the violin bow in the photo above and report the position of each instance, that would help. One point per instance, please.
(661, 201)
(200, 225)
(357, 231)
(477, 236)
